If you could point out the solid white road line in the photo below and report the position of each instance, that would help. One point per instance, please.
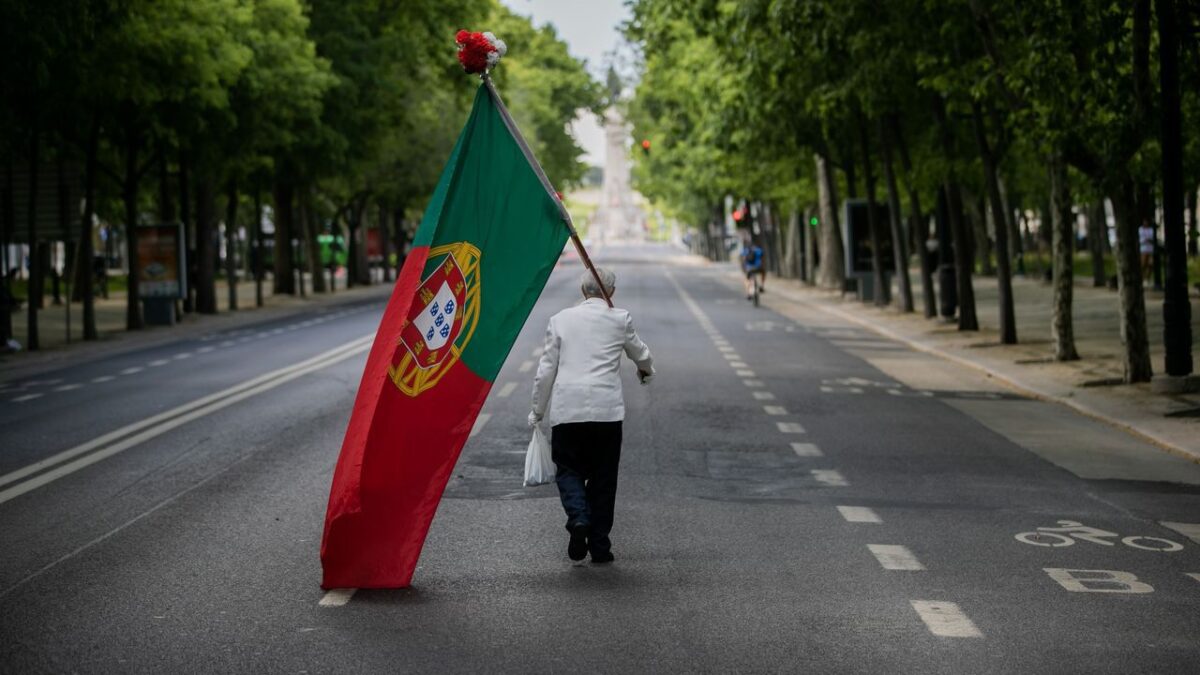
(336, 597)
(775, 410)
(526, 366)
(26, 397)
(806, 450)
(506, 390)
(165, 421)
(893, 557)
(1189, 530)
(945, 619)
(102, 378)
(829, 477)
(763, 395)
(479, 422)
(859, 514)
(790, 427)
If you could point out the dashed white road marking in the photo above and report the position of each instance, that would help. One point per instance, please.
(1189, 530)
(26, 397)
(731, 356)
(205, 349)
(830, 477)
(895, 557)
(479, 422)
(753, 383)
(859, 514)
(227, 343)
(739, 364)
(132, 370)
(945, 619)
(746, 373)
(158, 362)
(790, 427)
(262, 335)
(182, 355)
(775, 410)
(336, 597)
(807, 450)
(68, 387)
(506, 390)
(526, 366)
(763, 395)
(102, 378)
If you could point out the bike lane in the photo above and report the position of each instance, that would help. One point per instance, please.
(932, 455)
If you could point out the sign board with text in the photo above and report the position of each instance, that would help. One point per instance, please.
(160, 261)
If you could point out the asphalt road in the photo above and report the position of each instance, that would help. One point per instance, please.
(797, 495)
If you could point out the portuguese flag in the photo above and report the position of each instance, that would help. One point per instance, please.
(481, 256)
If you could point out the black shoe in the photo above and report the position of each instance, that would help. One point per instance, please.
(577, 548)
(602, 558)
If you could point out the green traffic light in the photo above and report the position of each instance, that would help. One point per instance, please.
(813, 221)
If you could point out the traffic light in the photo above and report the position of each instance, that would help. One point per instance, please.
(738, 214)
(813, 221)
(646, 146)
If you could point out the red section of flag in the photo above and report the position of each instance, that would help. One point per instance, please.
(379, 513)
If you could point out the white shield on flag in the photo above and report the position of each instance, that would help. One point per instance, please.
(436, 321)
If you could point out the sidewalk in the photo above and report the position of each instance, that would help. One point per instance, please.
(1088, 385)
(114, 339)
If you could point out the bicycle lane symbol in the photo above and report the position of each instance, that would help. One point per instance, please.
(1069, 531)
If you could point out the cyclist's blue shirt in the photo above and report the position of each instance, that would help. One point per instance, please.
(753, 257)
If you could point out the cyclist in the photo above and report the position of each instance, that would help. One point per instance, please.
(752, 264)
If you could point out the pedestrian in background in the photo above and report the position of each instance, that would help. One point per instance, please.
(1146, 247)
(578, 381)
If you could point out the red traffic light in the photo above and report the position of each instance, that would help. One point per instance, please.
(646, 144)
(738, 214)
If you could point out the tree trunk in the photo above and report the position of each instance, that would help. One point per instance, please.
(1097, 233)
(1193, 227)
(189, 231)
(1008, 317)
(1134, 336)
(791, 247)
(1016, 252)
(32, 342)
(919, 222)
(84, 281)
(832, 271)
(981, 239)
(1062, 327)
(166, 201)
(963, 268)
(231, 209)
(1177, 309)
(259, 272)
(882, 288)
(899, 241)
(133, 308)
(313, 252)
(283, 197)
(206, 247)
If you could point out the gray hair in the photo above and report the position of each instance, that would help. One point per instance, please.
(591, 289)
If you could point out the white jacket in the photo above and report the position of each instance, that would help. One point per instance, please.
(578, 376)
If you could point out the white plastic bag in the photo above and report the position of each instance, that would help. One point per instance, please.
(539, 466)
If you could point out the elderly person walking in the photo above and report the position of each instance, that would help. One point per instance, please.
(578, 379)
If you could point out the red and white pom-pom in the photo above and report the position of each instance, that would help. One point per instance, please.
(479, 52)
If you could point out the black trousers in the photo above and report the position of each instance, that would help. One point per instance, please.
(587, 455)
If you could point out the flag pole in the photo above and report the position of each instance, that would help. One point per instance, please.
(541, 174)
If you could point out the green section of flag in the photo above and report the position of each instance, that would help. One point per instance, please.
(489, 195)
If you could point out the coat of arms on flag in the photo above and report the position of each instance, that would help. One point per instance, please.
(439, 325)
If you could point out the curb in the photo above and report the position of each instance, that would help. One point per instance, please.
(15, 367)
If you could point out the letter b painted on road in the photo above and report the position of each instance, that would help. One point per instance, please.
(1098, 581)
